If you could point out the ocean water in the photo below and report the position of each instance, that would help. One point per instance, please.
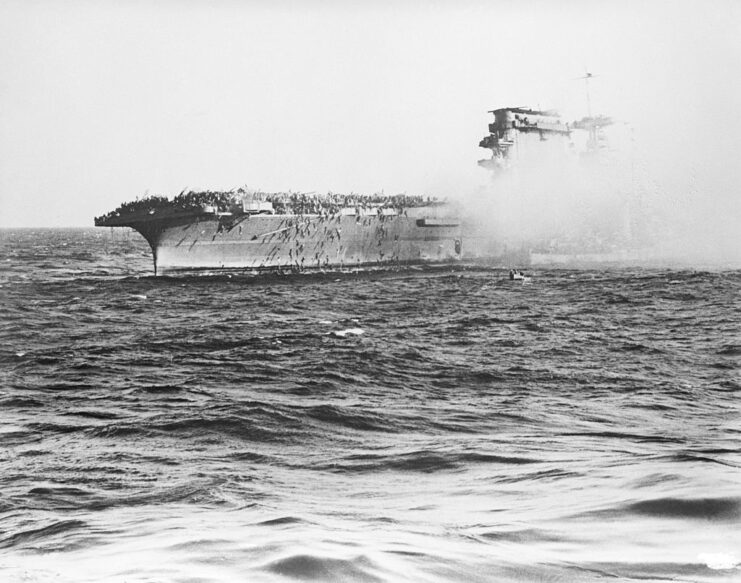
(419, 426)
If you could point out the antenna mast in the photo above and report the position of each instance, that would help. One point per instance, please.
(586, 78)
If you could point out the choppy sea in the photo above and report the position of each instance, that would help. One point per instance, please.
(419, 426)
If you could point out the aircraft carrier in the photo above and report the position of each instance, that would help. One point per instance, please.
(253, 232)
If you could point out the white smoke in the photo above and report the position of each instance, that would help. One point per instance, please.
(551, 192)
(644, 193)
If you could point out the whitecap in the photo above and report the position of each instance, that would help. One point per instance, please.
(343, 333)
(719, 561)
(326, 322)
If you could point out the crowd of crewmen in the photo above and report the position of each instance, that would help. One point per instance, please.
(184, 201)
(283, 202)
(333, 203)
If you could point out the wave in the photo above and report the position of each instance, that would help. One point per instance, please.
(317, 568)
(638, 347)
(696, 457)
(93, 414)
(282, 521)
(46, 428)
(526, 535)
(730, 350)
(42, 534)
(20, 403)
(710, 509)
(421, 461)
(354, 420)
(698, 508)
(702, 570)
(62, 499)
(275, 428)
(640, 438)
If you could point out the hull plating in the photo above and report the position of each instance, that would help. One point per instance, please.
(303, 242)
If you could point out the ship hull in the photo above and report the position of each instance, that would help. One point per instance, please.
(206, 243)
(298, 243)
(265, 242)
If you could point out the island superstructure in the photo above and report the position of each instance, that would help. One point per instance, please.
(516, 128)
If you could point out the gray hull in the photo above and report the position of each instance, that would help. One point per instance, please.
(210, 243)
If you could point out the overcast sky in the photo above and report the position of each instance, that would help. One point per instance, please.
(102, 101)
